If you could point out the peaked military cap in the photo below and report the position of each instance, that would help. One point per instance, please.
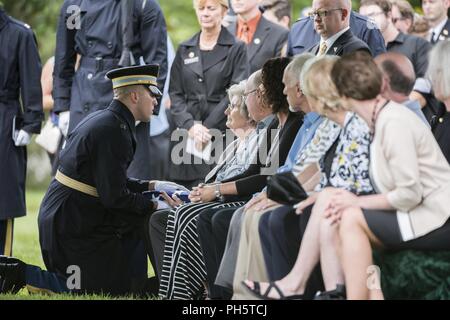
(128, 76)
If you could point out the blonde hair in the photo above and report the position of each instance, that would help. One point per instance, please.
(123, 92)
(317, 83)
(223, 3)
(438, 71)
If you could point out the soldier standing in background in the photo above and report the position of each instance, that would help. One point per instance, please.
(96, 31)
(20, 72)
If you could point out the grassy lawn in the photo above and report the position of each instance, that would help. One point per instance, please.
(26, 247)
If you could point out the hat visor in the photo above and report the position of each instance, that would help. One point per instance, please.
(155, 91)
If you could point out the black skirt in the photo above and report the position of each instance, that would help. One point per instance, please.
(385, 226)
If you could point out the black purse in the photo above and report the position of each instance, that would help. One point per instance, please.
(284, 188)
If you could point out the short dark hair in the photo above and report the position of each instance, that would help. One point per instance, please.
(280, 8)
(272, 80)
(357, 76)
(398, 81)
(385, 5)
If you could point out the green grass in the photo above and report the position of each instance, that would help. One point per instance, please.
(26, 247)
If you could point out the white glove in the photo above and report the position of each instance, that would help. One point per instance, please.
(63, 122)
(22, 139)
(162, 205)
(168, 186)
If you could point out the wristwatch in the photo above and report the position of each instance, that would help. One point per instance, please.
(217, 193)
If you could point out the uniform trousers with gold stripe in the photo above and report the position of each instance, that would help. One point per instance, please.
(6, 237)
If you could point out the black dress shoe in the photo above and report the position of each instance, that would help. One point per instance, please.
(336, 294)
(12, 275)
(3, 258)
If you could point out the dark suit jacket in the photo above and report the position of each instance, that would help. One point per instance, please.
(303, 35)
(346, 43)
(441, 131)
(445, 33)
(268, 42)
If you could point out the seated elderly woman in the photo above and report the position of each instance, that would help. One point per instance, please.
(234, 161)
(408, 171)
(345, 165)
(183, 265)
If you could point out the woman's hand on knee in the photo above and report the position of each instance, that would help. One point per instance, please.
(299, 207)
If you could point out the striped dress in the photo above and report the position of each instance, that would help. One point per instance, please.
(184, 273)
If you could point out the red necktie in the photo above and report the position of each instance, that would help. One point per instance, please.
(245, 33)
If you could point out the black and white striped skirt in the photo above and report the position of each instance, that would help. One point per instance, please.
(184, 271)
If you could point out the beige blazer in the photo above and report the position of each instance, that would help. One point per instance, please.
(407, 164)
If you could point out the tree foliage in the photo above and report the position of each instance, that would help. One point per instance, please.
(180, 18)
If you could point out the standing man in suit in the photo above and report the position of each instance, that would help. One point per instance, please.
(264, 39)
(435, 12)
(332, 22)
(303, 36)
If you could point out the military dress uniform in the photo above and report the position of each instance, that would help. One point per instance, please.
(91, 215)
(98, 40)
(20, 72)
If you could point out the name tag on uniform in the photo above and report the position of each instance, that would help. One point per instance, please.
(191, 60)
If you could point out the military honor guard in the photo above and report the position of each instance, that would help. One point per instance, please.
(20, 116)
(91, 217)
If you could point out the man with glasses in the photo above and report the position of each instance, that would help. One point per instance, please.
(303, 36)
(331, 22)
(402, 15)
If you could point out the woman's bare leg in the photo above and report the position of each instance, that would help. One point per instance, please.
(330, 263)
(356, 238)
(309, 253)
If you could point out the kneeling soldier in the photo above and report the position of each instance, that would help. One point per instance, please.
(92, 214)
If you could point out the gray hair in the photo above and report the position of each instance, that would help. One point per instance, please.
(438, 70)
(237, 90)
(294, 68)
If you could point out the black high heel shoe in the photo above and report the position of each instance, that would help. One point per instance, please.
(256, 291)
(336, 294)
